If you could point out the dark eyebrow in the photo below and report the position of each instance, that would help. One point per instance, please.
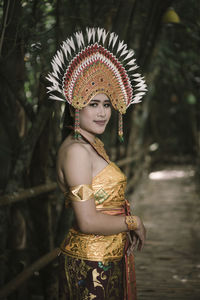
(97, 100)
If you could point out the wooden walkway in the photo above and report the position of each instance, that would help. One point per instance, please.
(169, 265)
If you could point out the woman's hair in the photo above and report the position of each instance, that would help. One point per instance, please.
(68, 121)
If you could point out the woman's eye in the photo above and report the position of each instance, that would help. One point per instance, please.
(107, 105)
(93, 104)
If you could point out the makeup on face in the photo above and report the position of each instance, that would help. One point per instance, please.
(95, 116)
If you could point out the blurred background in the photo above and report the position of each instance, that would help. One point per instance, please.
(161, 132)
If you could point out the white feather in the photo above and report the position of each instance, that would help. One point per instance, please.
(136, 74)
(64, 49)
(67, 47)
(104, 35)
(129, 55)
(89, 34)
(114, 40)
(71, 43)
(124, 51)
(60, 59)
(53, 97)
(53, 89)
(111, 38)
(121, 45)
(131, 62)
(79, 39)
(99, 33)
(55, 67)
(139, 79)
(93, 35)
(137, 99)
(133, 68)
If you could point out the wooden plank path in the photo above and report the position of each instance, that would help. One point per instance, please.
(169, 265)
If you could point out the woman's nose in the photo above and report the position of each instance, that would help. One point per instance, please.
(101, 111)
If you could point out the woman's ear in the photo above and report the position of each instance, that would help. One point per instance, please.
(72, 111)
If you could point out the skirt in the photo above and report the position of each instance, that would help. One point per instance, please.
(86, 280)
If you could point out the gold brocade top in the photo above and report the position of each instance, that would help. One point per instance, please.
(108, 187)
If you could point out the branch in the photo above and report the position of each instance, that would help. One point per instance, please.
(51, 186)
(22, 100)
(27, 193)
(28, 146)
(4, 27)
(28, 272)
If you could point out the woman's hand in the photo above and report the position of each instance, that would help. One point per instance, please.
(137, 237)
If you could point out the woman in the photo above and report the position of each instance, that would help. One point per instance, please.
(96, 259)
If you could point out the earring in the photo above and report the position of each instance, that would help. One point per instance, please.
(76, 124)
(120, 128)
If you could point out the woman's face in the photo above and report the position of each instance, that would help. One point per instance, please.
(95, 116)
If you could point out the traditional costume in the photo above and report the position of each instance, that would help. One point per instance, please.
(90, 63)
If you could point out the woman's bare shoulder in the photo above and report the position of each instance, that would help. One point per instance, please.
(73, 151)
(72, 148)
(74, 161)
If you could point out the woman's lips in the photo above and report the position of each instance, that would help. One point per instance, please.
(100, 123)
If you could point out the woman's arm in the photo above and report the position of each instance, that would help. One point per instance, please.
(77, 169)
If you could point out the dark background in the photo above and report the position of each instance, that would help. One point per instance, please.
(164, 128)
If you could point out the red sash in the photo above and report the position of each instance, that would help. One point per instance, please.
(129, 274)
(129, 264)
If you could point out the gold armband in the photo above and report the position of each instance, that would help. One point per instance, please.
(80, 192)
(131, 222)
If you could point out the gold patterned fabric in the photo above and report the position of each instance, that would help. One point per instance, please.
(108, 187)
(80, 192)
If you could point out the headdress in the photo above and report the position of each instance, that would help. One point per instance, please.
(91, 63)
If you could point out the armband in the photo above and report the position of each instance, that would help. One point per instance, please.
(81, 192)
(131, 222)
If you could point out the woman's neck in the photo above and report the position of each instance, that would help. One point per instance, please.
(89, 136)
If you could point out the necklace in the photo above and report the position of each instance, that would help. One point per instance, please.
(98, 146)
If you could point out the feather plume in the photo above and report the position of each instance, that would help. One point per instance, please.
(114, 40)
(99, 33)
(104, 35)
(131, 62)
(129, 55)
(53, 97)
(71, 43)
(79, 39)
(89, 34)
(133, 68)
(111, 38)
(121, 45)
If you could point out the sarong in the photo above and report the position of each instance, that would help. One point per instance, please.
(86, 280)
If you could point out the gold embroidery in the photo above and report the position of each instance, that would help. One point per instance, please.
(100, 196)
(94, 247)
(108, 187)
(98, 78)
(81, 192)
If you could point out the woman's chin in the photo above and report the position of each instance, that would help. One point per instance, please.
(97, 130)
(100, 130)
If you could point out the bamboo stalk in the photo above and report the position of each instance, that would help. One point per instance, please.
(27, 194)
(49, 187)
(28, 272)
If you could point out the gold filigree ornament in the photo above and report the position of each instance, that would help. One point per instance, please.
(131, 222)
(98, 145)
(93, 62)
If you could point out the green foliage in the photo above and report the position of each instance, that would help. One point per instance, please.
(176, 89)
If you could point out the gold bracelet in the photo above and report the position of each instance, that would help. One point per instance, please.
(131, 222)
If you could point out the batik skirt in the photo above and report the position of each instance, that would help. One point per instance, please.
(86, 280)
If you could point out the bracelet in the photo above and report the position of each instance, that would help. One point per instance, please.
(131, 222)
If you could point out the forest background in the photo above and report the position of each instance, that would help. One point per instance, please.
(164, 128)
